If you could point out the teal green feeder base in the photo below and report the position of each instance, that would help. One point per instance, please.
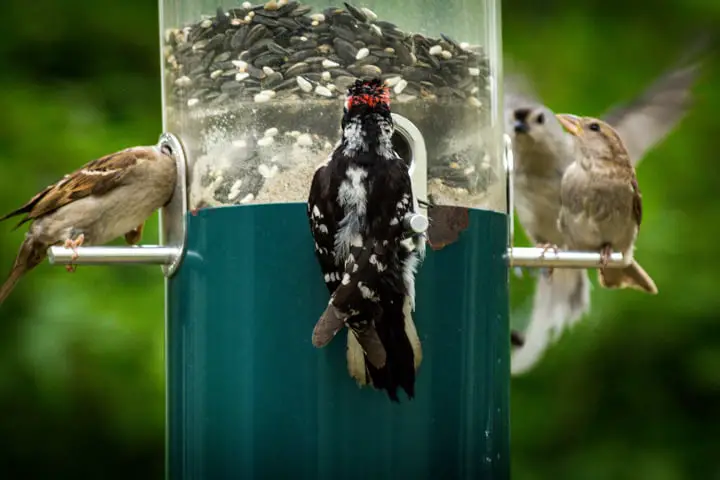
(250, 398)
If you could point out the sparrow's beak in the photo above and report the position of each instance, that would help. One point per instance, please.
(521, 117)
(521, 127)
(570, 123)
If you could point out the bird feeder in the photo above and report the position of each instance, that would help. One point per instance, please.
(252, 102)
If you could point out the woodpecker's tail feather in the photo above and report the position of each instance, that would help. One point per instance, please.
(399, 372)
(383, 347)
(411, 332)
(391, 377)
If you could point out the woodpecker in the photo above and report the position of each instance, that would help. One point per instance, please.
(356, 209)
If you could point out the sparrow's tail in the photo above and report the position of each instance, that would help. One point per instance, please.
(560, 300)
(632, 276)
(29, 256)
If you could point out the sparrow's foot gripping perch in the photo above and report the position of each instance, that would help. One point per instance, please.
(546, 247)
(73, 245)
(605, 254)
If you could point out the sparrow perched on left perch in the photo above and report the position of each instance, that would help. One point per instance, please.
(109, 197)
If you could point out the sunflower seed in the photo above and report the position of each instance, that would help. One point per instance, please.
(300, 11)
(323, 91)
(273, 79)
(297, 69)
(304, 85)
(356, 12)
(183, 82)
(304, 140)
(265, 141)
(342, 82)
(283, 46)
(369, 14)
(366, 71)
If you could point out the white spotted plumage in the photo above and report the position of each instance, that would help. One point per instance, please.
(356, 207)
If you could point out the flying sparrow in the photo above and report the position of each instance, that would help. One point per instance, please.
(542, 152)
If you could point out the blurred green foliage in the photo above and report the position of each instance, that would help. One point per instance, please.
(631, 393)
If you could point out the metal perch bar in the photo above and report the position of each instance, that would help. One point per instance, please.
(156, 255)
(140, 255)
(534, 258)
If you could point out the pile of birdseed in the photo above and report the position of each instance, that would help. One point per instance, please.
(255, 94)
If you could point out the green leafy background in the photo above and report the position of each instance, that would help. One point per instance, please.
(631, 393)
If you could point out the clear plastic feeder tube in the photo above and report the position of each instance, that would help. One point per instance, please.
(255, 93)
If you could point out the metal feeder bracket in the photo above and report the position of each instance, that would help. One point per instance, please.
(168, 254)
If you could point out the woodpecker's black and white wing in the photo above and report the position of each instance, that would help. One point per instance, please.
(324, 216)
(355, 304)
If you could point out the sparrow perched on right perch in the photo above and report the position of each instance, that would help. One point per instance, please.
(109, 197)
(601, 203)
(542, 151)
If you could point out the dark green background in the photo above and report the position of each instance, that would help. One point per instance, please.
(631, 393)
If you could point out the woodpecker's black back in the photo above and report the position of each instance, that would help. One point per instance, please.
(356, 207)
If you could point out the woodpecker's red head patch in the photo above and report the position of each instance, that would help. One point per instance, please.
(368, 92)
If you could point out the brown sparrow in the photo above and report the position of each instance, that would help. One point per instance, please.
(542, 151)
(601, 203)
(107, 198)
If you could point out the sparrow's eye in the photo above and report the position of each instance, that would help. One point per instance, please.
(540, 119)
(595, 127)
